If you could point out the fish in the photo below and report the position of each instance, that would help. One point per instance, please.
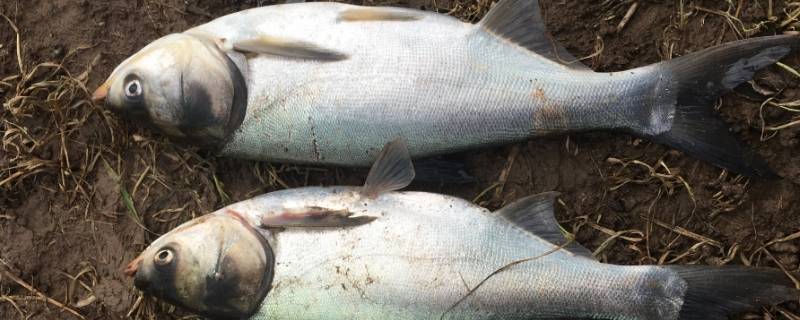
(331, 83)
(375, 252)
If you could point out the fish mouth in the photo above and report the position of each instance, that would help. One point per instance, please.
(132, 267)
(101, 93)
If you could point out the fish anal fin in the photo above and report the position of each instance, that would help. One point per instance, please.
(314, 217)
(378, 14)
(284, 47)
(391, 171)
(535, 214)
(521, 22)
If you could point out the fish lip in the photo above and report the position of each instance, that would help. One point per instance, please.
(132, 267)
(101, 93)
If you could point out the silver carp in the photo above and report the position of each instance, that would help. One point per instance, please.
(375, 253)
(330, 83)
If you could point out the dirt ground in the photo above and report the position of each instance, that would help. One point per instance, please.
(82, 192)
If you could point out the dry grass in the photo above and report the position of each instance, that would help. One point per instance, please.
(44, 108)
(786, 114)
(54, 138)
(44, 90)
(679, 243)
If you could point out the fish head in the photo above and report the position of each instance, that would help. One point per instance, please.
(217, 266)
(185, 85)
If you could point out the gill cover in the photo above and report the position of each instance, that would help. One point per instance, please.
(183, 84)
(216, 266)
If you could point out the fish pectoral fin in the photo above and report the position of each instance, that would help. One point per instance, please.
(520, 22)
(535, 214)
(391, 171)
(314, 217)
(378, 14)
(284, 47)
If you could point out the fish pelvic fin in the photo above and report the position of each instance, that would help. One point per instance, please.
(520, 22)
(681, 115)
(535, 214)
(715, 293)
(391, 171)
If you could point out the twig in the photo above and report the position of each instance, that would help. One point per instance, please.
(791, 17)
(134, 307)
(788, 69)
(627, 17)
(501, 183)
(19, 47)
(14, 304)
(780, 265)
(484, 192)
(684, 232)
(787, 314)
(618, 235)
(41, 295)
(790, 237)
(503, 268)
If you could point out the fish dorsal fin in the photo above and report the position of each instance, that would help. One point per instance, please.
(391, 171)
(535, 215)
(378, 14)
(289, 48)
(520, 22)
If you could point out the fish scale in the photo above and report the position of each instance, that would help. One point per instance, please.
(425, 252)
(419, 81)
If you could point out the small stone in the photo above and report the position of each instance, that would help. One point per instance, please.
(58, 52)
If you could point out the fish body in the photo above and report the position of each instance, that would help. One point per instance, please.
(330, 83)
(374, 253)
(426, 251)
(441, 84)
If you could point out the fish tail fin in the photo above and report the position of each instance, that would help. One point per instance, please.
(687, 88)
(714, 293)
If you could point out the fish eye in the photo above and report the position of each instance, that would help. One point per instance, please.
(133, 89)
(163, 257)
